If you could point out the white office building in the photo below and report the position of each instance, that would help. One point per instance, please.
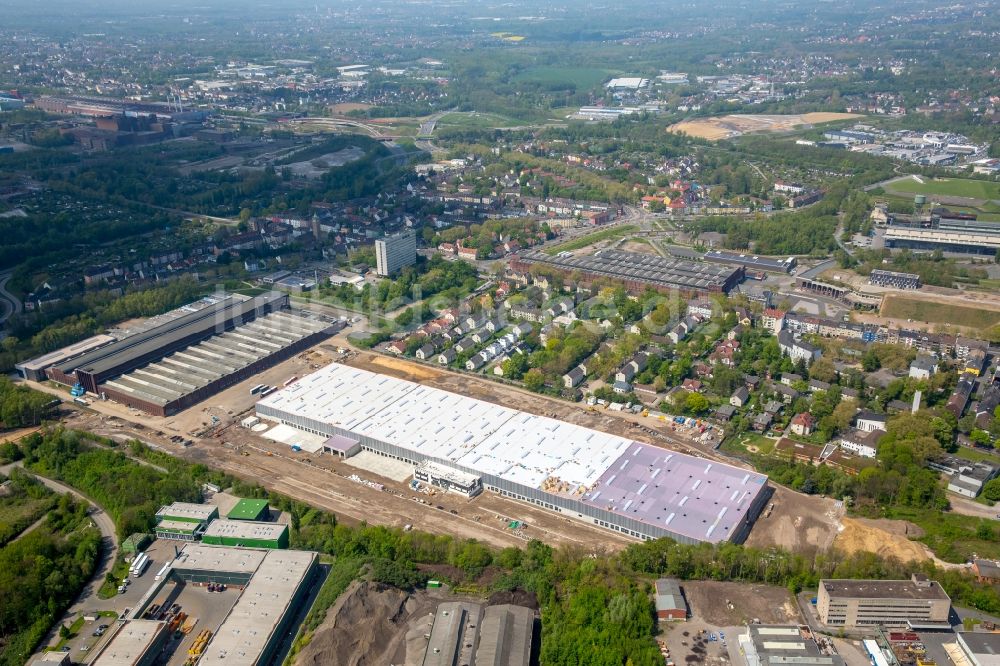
(394, 252)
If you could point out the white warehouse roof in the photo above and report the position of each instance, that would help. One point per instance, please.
(691, 496)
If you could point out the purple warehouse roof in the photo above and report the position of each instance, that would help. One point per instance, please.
(699, 498)
(340, 444)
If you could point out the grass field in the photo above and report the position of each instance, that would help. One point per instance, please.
(970, 316)
(949, 187)
(476, 120)
(952, 537)
(590, 239)
(579, 77)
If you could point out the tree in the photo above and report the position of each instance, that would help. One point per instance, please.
(534, 380)
(870, 361)
(991, 490)
(696, 403)
(823, 370)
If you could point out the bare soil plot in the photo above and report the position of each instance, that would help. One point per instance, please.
(725, 604)
(724, 127)
(886, 538)
(798, 523)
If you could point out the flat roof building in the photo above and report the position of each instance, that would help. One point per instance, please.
(179, 362)
(638, 271)
(189, 512)
(783, 645)
(614, 482)
(246, 533)
(249, 509)
(178, 530)
(256, 626)
(34, 369)
(751, 261)
(394, 252)
(134, 643)
(893, 603)
(980, 648)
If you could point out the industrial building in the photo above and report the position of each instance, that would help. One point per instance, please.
(394, 252)
(34, 369)
(933, 232)
(638, 272)
(273, 586)
(980, 648)
(633, 488)
(892, 603)
(245, 533)
(751, 261)
(781, 645)
(249, 509)
(178, 363)
(894, 279)
(462, 633)
(670, 604)
(134, 643)
(184, 521)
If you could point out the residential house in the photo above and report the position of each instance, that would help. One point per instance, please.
(447, 357)
(725, 412)
(862, 442)
(693, 385)
(425, 352)
(621, 387)
(397, 347)
(773, 320)
(803, 424)
(797, 349)
(700, 308)
(787, 393)
(868, 421)
(574, 377)
(476, 362)
(923, 367)
(817, 385)
(465, 345)
(789, 378)
(762, 422)
(740, 397)
(522, 330)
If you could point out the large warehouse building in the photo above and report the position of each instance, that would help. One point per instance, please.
(134, 643)
(273, 586)
(943, 233)
(637, 489)
(639, 272)
(172, 366)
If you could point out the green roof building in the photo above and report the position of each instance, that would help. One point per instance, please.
(246, 533)
(249, 509)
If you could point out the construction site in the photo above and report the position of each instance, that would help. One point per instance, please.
(583, 474)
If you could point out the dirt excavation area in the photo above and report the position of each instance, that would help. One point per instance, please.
(724, 127)
(734, 604)
(797, 523)
(885, 538)
(374, 624)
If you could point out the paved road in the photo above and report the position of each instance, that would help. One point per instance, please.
(967, 507)
(9, 304)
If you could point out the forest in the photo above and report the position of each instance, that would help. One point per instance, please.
(41, 574)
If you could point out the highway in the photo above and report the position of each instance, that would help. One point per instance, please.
(9, 304)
